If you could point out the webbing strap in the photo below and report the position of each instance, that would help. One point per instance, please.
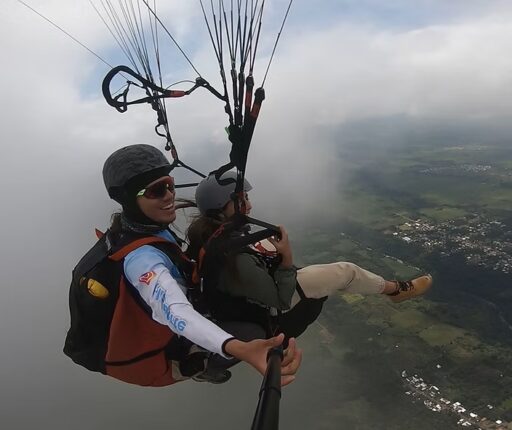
(132, 246)
(218, 244)
(198, 269)
(196, 276)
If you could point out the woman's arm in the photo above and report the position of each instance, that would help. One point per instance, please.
(148, 273)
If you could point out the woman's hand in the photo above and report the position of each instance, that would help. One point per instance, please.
(283, 248)
(255, 353)
(292, 357)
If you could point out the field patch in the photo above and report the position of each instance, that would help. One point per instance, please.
(507, 404)
(400, 270)
(442, 214)
(351, 298)
(441, 334)
(410, 319)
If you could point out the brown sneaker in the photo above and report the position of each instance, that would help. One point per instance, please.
(409, 289)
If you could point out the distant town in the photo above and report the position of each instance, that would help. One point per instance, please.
(484, 242)
(431, 397)
(468, 170)
(457, 170)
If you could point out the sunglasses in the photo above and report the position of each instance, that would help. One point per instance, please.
(159, 189)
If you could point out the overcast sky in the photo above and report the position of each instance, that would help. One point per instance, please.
(339, 63)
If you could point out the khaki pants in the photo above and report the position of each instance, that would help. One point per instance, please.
(323, 280)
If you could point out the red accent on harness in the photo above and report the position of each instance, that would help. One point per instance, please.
(132, 333)
(196, 277)
(262, 250)
(175, 93)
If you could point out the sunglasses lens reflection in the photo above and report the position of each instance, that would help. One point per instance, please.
(159, 190)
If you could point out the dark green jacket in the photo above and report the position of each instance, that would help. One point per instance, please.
(252, 280)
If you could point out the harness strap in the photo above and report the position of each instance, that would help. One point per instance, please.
(218, 243)
(300, 292)
(132, 246)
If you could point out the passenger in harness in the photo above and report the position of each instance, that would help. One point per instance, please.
(130, 315)
(248, 282)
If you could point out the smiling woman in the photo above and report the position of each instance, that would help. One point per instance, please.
(156, 201)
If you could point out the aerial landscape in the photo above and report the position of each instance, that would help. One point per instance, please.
(431, 208)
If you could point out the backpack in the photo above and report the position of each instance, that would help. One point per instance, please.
(93, 295)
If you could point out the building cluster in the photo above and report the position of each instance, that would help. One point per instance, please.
(483, 242)
(430, 396)
(457, 170)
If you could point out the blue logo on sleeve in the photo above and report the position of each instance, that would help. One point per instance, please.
(160, 294)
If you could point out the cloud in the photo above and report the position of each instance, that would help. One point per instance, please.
(347, 75)
(452, 66)
(349, 72)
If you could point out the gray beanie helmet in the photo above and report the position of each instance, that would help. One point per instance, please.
(129, 162)
(210, 195)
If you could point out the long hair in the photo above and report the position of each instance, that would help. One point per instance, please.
(200, 230)
(198, 233)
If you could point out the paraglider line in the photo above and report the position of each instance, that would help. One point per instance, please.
(65, 32)
(277, 40)
(123, 48)
(170, 35)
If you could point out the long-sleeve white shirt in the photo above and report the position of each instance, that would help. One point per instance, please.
(161, 286)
